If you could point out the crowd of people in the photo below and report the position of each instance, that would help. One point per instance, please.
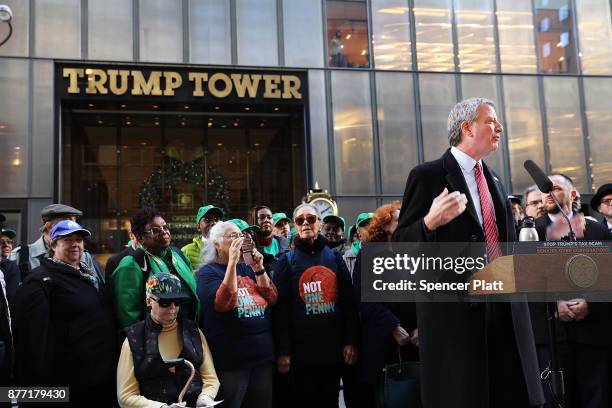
(267, 311)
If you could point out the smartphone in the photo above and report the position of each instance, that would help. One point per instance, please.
(247, 250)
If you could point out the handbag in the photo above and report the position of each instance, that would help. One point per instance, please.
(401, 385)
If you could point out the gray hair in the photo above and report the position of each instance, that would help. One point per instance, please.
(209, 252)
(464, 111)
(564, 180)
(528, 191)
(303, 205)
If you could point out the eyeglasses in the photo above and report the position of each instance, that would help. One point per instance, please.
(167, 302)
(263, 217)
(233, 236)
(158, 230)
(211, 218)
(6, 242)
(310, 219)
(533, 203)
(607, 201)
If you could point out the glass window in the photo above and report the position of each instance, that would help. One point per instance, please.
(350, 208)
(161, 30)
(599, 116)
(474, 19)
(565, 141)
(57, 28)
(354, 162)
(17, 45)
(303, 33)
(556, 42)
(515, 30)
(396, 129)
(347, 33)
(257, 32)
(437, 99)
(110, 30)
(391, 34)
(210, 32)
(485, 86)
(318, 128)
(433, 35)
(595, 36)
(14, 127)
(42, 129)
(523, 127)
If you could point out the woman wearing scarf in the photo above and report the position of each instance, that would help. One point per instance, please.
(63, 324)
(153, 255)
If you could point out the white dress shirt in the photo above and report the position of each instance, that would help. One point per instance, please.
(467, 164)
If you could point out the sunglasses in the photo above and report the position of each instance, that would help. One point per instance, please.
(167, 302)
(211, 219)
(310, 219)
(6, 242)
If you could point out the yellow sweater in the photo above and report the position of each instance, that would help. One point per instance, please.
(170, 345)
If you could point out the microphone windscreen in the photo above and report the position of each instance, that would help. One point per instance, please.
(538, 176)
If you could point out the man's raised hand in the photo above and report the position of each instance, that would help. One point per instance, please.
(445, 208)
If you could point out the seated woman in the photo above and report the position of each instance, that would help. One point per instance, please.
(143, 379)
(236, 300)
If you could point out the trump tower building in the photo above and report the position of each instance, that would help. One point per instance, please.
(108, 105)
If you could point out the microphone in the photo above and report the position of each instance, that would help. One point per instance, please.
(538, 176)
(546, 186)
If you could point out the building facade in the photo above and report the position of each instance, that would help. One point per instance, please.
(377, 79)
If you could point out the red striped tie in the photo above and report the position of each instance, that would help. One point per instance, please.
(488, 215)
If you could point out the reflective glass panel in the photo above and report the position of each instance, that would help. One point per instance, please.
(318, 128)
(210, 32)
(161, 30)
(598, 107)
(438, 96)
(595, 36)
(396, 129)
(391, 34)
(555, 33)
(565, 140)
(42, 129)
(515, 30)
(14, 127)
(474, 19)
(256, 28)
(523, 127)
(57, 28)
(350, 208)
(347, 33)
(354, 160)
(485, 86)
(303, 33)
(17, 45)
(433, 35)
(110, 30)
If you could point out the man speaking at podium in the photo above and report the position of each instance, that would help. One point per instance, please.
(474, 355)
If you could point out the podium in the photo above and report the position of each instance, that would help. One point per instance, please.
(553, 273)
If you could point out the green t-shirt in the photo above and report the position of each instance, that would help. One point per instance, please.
(272, 249)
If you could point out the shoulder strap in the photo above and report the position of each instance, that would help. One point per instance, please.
(24, 261)
(181, 254)
(291, 257)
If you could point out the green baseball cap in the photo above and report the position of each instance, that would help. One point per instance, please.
(335, 218)
(243, 226)
(363, 217)
(202, 211)
(165, 286)
(277, 217)
(8, 233)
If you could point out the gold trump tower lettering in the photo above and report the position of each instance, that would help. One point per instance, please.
(165, 83)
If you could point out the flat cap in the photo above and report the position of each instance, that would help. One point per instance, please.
(57, 210)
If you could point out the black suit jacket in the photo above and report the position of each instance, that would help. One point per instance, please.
(595, 329)
(453, 337)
